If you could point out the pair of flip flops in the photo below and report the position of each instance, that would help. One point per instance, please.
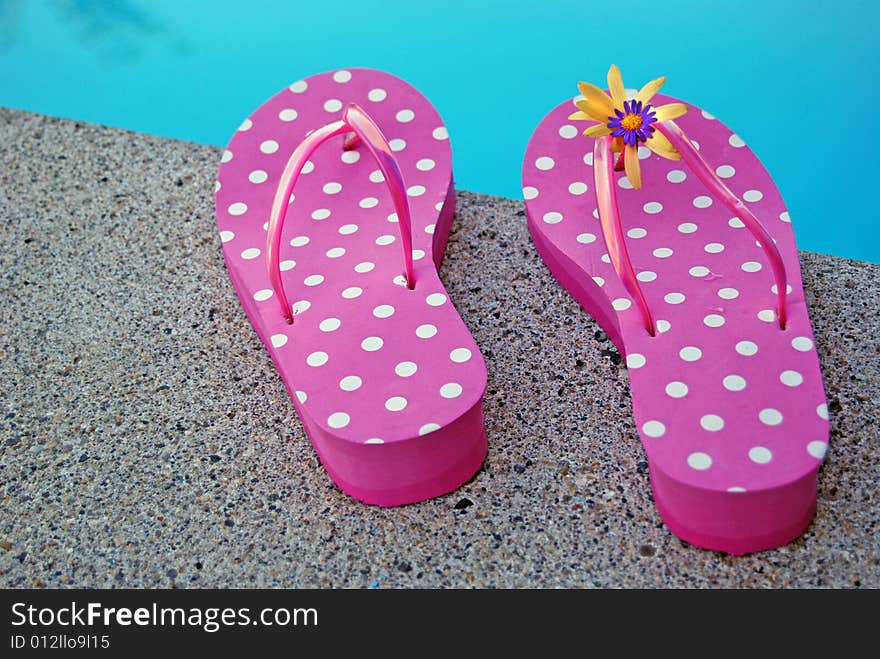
(334, 203)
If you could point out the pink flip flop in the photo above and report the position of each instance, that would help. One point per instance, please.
(345, 294)
(691, 287)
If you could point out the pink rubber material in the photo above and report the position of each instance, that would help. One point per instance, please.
(730, 408)
(387, 380)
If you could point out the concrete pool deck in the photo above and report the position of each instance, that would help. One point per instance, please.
(147, 440)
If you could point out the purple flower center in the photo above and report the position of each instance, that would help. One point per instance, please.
(633, 123)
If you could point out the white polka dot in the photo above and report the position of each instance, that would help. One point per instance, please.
(696, 144)
(529, 192)
(347, 229)
(258, 176)
(352, 292)
(637, 232)
(736, 141)
(644, 152)
(397, 144)
(586, 238)
(278, 340)
(376, 176)
(335, 252)
(332, 188)
(702, 201)
(770, 417)
(372, 343)
(712, 422)
(662, 252)
(624, 183)
(690, 353)
(425, 165)
(435, 299)
(374, 440)
(308, 168)
(646, 275)
(674, 298)
(227, 156)
(577, 188)
(699, 271)
(338, 420)
(588, 158)
(713, 320)
(751, 266)
(653, 429)
(652, 207)
(728, 293)
(635, 360)
(317, 358)
(663, 326)
(269, 146)
(247, 124)
(767, 315)
(238, 208)
(406, 369)
(415, 190)
(734, 382)
(301, 396)
(599, 281)
(299, 241)
(817, 449)
(440, 133)
(284, 266)
(736, 488)
(250, 253)
(791, 378)
(320, 214)
(699, 461)
(350, 383)
(386, 239)
(426, 331)
(287, 114)
(301, 306)
(725, 171)
(395, 403)
(568, 132)
(263, 294)
(553, 217)
(226, 236)
(676, 176)
(753, 195)
(687, 227)
(365, 266)
(747, 348)
(460, 355)
(313, 280)
(329, 324)
(299, 86)
(451, 390)
(428, 427)
(785, 217)
(383, 311)
(333, 105)
(760, 454)
(735, 223)
(350, 157)
(377, 95)
(714, 248)
(217, 186)
(544, 163)
(368, 202)
(801, 343)
(621, 304)
(676, 389)
(822, 410)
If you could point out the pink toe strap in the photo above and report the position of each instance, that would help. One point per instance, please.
(355, 120)
(612, 229)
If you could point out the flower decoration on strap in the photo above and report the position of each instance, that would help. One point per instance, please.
(629, 122)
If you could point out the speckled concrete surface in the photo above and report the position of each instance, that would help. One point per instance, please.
(147, 441)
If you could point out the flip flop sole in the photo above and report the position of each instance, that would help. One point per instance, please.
(730, 408)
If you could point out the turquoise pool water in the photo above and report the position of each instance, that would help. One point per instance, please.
(797, 80)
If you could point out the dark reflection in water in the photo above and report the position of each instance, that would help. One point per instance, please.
(116, 30)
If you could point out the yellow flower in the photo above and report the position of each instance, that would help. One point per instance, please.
(630, 123)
